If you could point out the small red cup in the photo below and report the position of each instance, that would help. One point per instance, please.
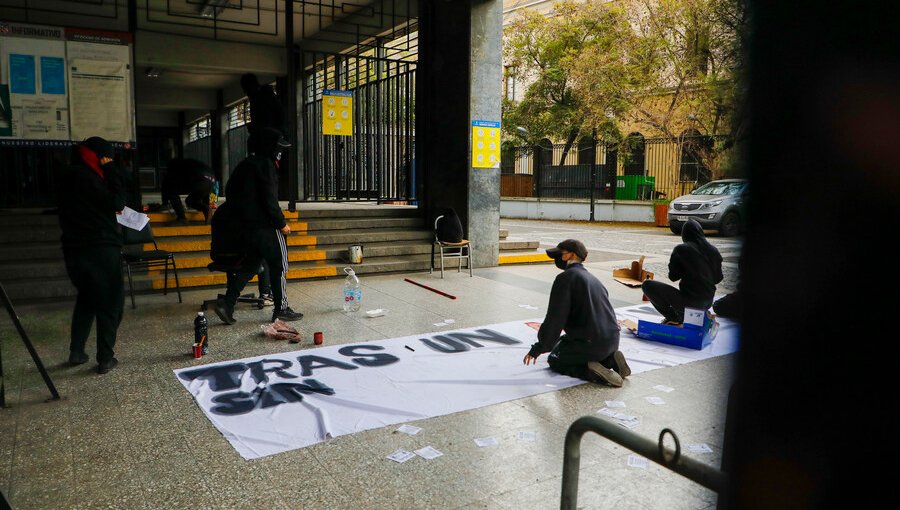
(198, 351)
(318, 338)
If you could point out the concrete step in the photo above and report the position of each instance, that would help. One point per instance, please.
(31, 269)
(19, 252)
(504, 234)
(518, 245)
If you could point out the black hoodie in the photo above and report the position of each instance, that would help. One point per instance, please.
(698, 264)
(88, 204)
(252, 189)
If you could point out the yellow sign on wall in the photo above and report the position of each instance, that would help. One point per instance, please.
(337, 112)
(485, 144)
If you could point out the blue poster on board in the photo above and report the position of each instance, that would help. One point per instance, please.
(21, 74)
(53, 72)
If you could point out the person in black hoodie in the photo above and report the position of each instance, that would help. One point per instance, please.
(579, 304)
(256, 217)
(698, 266)
(192, 178)
(91, 194)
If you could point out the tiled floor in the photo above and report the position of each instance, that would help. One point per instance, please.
(134, 438)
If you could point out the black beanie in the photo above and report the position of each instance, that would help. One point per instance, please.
(99, 146)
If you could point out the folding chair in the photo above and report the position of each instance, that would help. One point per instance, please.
(460, 251)
(135, 256)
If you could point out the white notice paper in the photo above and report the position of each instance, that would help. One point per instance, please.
(409, 429)
(663, 387)
(615, 403)
(428, 453)
(132, 219)
(401, 456)
(486, 441)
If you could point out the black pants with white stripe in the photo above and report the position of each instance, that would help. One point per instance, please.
(268, 245)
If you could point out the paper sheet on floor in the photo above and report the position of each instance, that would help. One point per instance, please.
(278, 402)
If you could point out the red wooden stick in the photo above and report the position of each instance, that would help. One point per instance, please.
(451, 296)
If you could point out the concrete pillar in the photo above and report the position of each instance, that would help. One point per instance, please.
(459, 80)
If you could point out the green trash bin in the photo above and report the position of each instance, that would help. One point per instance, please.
(634, 187)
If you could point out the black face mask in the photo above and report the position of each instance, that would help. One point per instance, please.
(560, 263)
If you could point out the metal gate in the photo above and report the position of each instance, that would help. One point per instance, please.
(375, 163)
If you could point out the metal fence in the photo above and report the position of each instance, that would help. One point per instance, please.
(650, 169)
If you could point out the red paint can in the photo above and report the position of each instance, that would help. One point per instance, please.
(198, 351)
(318, 338)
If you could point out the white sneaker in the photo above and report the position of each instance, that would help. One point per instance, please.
(268, 299)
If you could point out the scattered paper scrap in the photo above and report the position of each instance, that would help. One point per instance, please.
(409, 429)
(486, 441)
(440, 324)
(615, 403)
(630, 424)
(378, 312)
(428, 453)
(637, 462)
(655, 400)
(400, 456)
(449, 321)
(527, 436)
(699, 448)
(529, 307)
(663, 387)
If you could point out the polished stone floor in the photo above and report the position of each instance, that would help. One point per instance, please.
(135, 439)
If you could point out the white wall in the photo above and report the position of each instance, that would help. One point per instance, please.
(550, 209)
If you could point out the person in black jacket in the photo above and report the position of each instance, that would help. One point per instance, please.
(698, 266)
(192, 178)
(91, 194)
(266, 111)
(256, 218)
(579, 304)
(448, 228)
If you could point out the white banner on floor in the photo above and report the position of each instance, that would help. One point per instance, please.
(279, 402)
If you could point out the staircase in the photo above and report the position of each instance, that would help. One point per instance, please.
(394, 239)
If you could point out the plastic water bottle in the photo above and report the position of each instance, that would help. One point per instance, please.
(352, 291)
(200, 332)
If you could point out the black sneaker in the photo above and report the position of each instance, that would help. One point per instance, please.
(106, 366)
(77, 358)
(286, 315)
(621, 366)
(607, 375)
(225, 312)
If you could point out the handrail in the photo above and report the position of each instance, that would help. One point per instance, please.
(691, 469)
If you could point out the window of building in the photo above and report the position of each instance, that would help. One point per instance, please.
(199, 129)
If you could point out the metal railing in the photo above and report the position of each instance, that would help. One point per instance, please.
(653, 168)
(693, 470)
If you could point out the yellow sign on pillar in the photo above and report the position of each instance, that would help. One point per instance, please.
(337, 112)
(485, 144)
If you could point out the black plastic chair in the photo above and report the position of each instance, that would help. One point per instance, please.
(135, 257)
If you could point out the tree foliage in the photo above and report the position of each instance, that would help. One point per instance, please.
(661, 67)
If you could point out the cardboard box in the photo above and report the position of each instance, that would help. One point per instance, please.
(697, 331)
(633, 276)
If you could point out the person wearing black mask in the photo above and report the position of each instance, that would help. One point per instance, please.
(91, 194)
(256, 216)
(698, 266)
(189, 177)
(266, 110)
(579, 304)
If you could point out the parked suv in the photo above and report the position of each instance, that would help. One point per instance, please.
(717, 205)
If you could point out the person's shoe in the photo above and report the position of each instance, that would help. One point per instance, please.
(267, 299)
(286, 315)
(225, 312)
(607, 375)
(106, 366)
(621, 365)
(77, 358)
